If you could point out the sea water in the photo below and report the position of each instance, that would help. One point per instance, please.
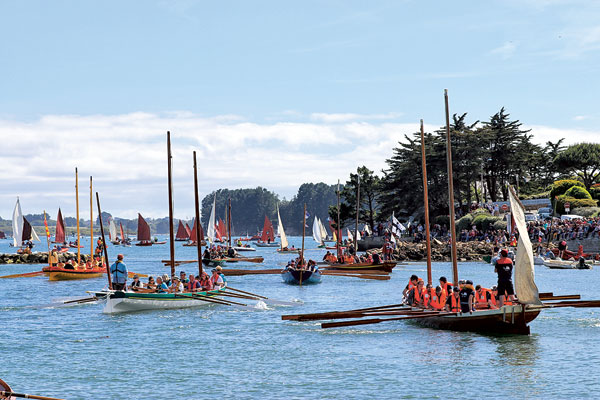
(77, 352)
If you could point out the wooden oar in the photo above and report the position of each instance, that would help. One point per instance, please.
(25, 275)
(377, 320)
(325, 315)
(266, 300)
(210, 299)
(84, 300)
(131, 274)
(26, 396)
(376, 277)
(345, 315)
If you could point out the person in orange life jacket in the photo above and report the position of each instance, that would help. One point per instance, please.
(484, 298)
(437, 300)
(205, 281)
(453, 301)
(193, 285)
(445, 285)
(467, 295)
(407, 293)
(428, 295)
(419, 292)
(503, 268)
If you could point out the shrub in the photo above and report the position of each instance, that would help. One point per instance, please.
(479, 211)
(499, 225)
(483, 221)
(464, 223)
(561, 186)
(578, 192)
(442, 220)
(586, 211)
(595, 192)
(574, 203)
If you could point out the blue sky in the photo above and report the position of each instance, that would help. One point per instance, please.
(271, 92)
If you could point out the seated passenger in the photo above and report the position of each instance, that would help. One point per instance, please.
(176, 286)
(161, 287)
(151, 284)
(193, 285)
(136, 284)
(216, 280)
(205, 282)
(484, 299)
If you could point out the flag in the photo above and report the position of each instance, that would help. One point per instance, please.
(397, 227)
(307, 215)
(46, 226)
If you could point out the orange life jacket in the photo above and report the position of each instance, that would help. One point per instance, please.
(419, 295)
(455, 303)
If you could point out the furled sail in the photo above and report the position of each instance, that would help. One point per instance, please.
(525, 287)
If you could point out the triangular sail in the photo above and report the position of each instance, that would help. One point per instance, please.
(350, 237)
(283, 237)
(268, 233)
(26, 234)
(59, 235)
(112, 229)
(17, 225)
(525, 287)
(188, 231)
(143, 233)
(211, 223)
(181, 232)
(323, 230)
(122, 234)
(222, 229)
(316, 231)
(334, 236)
(34, 235)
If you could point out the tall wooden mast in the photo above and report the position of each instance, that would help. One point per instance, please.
(338, 227)
(426, 204)
(229, 222)
(197, 206)
(91, 225)
(451, 192)
(77, 212)
(171, 234)
(357, 212)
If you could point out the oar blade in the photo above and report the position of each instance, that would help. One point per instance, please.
(25, 275)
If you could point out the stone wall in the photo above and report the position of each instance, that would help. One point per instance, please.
(38, 258)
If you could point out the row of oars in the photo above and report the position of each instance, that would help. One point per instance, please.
(403, 312)
(363, 274)
(38, 273)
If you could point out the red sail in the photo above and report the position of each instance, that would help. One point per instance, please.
(181, 232)
(122, 235)
(59, 236)
(143, 233)
(188, 231)
(267, 232)
(222, 230)
(193, 233)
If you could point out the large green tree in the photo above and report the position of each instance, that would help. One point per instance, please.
(369, 192)
(582, 159)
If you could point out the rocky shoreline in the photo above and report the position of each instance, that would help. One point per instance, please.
(466, 251)
(38, 258)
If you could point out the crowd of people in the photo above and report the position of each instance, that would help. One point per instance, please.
(164, 284)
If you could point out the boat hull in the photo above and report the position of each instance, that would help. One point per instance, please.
(259, 244)
(69, 275)
(292, 277)
(508, 320)
(240, 248)
(121, 302)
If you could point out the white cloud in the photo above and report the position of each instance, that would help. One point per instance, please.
(505, 51)
(346, 117)
(543, 134)
(581, 117)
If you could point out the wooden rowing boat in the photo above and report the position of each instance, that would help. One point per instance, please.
(120, 302)
(564, 264)
(386, 266)
(304, 277)
(66, 272)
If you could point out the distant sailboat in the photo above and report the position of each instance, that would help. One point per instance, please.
(316, 232)
(182, 233)
(112, 232)
(17, 225)
(193, 241)
(143, 232)
(282, 236)
(267, 238)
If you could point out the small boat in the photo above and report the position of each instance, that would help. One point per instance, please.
(183, 234)
(293, 250)
(120, 302)
(564, 264)
(267, 238)
(143, 232)
(335, 247)
(68, 272)
(193, 241)
(59, 235)
(266, 244)
(296, 277)
(112, 232)
(386, 266)
(244, 259)
(244, 248)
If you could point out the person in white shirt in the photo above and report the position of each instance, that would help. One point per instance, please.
(216, 279)
(176, 286)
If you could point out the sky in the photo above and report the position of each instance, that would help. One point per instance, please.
(268, 93)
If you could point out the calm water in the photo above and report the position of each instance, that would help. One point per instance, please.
(79, 353)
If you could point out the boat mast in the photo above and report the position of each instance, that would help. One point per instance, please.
(91, 225)
(357, 211)
(170, 184)
(302, 251)
(77, 212)
(339, 231)
(426, 204)
(451, 192)
(103, 244)
(229, 223)
(197, 206)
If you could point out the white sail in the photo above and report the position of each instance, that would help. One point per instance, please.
(34, 235)
(368, 229)
(323, 230)
(350, 237)
(17, 224)
(112, 229)
(283, 238)
(358, 234)
(525, 287)
(210, 232)
(316, 231)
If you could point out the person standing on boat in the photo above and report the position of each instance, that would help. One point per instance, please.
(503, 268)
(467, 295)
(119, 273)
